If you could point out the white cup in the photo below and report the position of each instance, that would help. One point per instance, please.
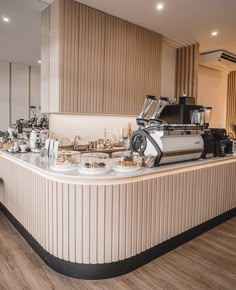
(23, 147)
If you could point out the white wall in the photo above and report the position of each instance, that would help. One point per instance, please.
(19, 87)
(168, 71)
(35, 87)
(88, 127)
(19, 92)
(4, 95)
(212, 91)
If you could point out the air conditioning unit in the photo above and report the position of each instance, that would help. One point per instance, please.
(219, 60)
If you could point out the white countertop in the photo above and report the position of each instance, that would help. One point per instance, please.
(43, 166)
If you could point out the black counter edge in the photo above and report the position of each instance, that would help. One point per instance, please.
(114, 269)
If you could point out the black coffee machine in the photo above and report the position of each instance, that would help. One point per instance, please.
(209, 144)
(223, 145)
(180, 113)
(216, 143)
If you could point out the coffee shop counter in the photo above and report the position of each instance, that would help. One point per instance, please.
(102, 226)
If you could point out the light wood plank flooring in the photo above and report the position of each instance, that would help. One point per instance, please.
(208, 262)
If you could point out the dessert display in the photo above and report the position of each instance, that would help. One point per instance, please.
(126, 162)
(66, 160)
(94, 163)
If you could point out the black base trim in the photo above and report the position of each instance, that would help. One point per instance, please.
(109, 270)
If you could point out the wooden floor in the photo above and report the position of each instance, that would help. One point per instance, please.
(208, 262)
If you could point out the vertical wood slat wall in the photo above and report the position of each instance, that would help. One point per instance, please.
(81, 59)
(107, 65)
(115, 65)
(231, 102)
(143, 66)
(187, 63)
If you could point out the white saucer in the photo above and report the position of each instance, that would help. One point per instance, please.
(64, 168)
(94, 170)
(126, 168)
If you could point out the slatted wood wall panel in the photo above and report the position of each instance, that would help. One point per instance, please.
(115, 65)
(106, 223)
(82, 59)
(107, 64)
(143, 66)
(135, 67)
(187, 63)
(231, 102)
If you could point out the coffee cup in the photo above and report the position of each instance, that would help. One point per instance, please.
(23, 147)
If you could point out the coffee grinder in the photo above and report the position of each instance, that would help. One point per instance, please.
(208, 136)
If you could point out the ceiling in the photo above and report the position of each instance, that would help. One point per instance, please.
(184, 21)
(20, 38)
(181, 20)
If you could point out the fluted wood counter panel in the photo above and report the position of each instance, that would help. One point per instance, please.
(187, 63)
(95, 223)
(107, 65)
(231, 102)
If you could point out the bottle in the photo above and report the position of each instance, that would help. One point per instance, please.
(184, 94)
(129, 130)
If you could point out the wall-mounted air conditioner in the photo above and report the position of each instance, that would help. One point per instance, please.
(219, 60)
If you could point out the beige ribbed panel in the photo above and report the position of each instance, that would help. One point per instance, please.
(143, 66)
(187, 63)
(152, 69)
(231, 102)
(82, 58)
(107, 65)
(105, 223)
(132, 66)
(135, 67)
(115, 65)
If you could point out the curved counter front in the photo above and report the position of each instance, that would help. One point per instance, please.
(104, 226)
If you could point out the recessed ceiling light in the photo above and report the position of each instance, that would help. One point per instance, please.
(214, 33)
(6, 19)
(159, 6)
(39, 61)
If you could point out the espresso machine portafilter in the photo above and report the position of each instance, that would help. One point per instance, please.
(148, 103)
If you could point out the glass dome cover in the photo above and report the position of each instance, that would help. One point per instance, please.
(125, 161)
(66, 160)
(95, 163)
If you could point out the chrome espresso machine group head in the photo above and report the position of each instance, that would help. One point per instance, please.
(175, 141)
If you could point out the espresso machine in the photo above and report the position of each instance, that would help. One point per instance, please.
(178, 132)
(168, 133)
